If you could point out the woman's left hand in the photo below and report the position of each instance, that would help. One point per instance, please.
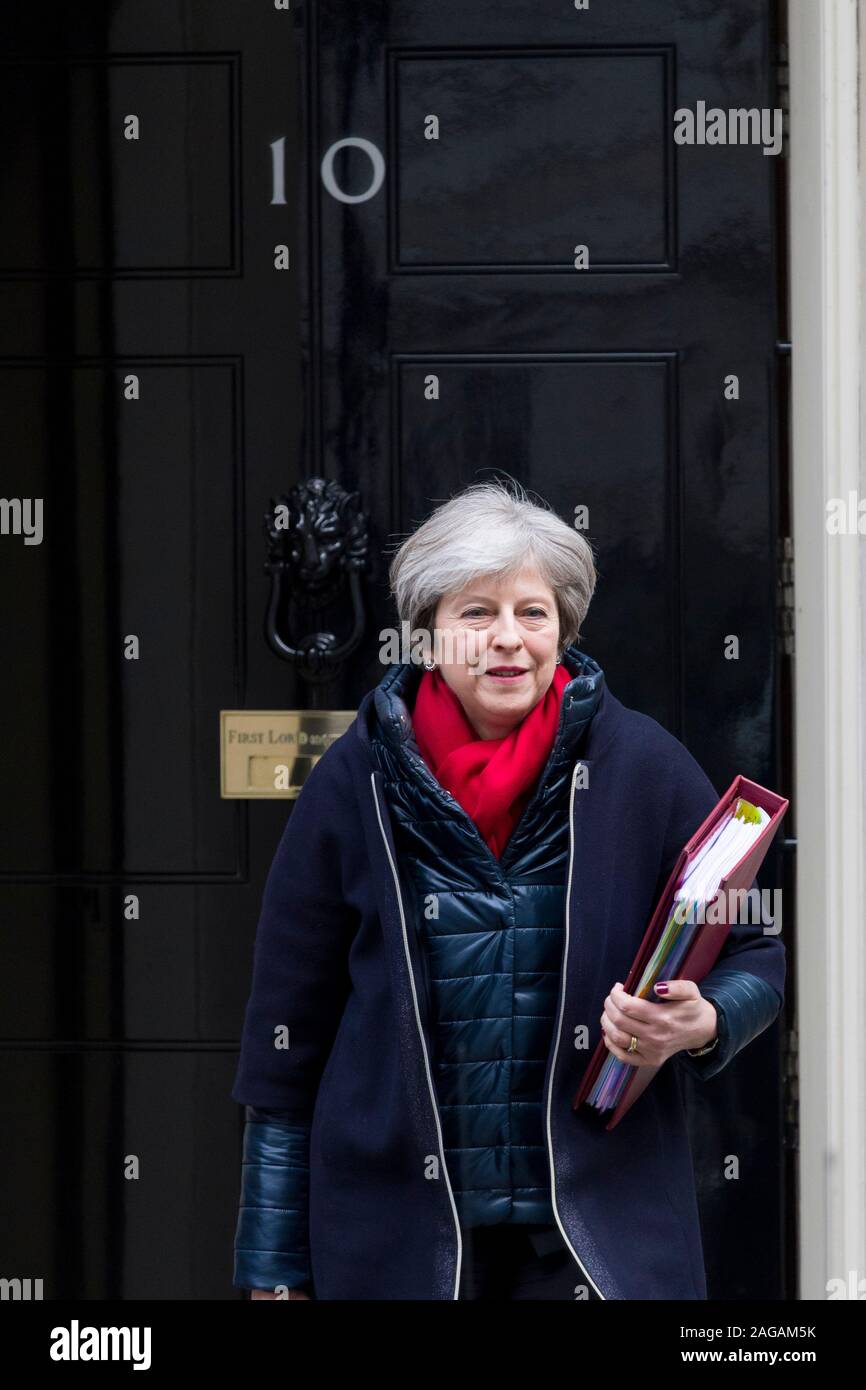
(686, 1020)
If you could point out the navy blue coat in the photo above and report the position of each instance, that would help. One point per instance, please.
(354, 1180)
(491, 931)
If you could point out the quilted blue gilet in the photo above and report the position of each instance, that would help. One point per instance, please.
(492, 935)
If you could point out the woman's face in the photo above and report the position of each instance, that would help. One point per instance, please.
(498, 647)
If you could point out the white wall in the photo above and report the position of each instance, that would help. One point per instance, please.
(827, 250)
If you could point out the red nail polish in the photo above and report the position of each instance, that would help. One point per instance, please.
(662, 986)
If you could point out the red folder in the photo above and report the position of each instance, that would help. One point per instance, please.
(709, 938)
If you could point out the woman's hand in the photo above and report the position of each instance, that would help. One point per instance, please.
(687, 1020)
(267, 1293)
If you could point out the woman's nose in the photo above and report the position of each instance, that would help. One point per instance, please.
(506, 632)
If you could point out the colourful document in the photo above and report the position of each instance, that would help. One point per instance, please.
(690, 923)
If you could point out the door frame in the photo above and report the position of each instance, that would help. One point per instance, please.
(827, 414)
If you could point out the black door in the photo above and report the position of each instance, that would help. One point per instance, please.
(399, 246)
(453, 334)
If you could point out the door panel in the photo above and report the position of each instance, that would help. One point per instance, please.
(174, 195)
(536, 149)
(129, 889)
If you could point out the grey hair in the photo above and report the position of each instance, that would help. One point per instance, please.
(492, 529)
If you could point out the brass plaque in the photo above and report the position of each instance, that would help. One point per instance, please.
(269, 753)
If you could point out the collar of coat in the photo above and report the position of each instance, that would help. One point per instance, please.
(393, 743)
(385, 711)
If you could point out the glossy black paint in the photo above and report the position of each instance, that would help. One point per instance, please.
(602, 387)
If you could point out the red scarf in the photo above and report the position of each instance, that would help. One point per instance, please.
(492, 778)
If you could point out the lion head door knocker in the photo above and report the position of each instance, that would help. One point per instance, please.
(318, 539)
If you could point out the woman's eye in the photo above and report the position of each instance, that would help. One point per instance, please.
(474, 613)
(535, 613)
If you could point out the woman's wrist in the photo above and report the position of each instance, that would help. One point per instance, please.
(712, 1037)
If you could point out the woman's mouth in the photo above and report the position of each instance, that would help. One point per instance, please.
(506, 675)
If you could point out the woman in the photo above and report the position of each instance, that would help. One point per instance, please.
(450, 914)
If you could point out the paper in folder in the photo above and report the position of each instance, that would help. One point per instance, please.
(683, 938)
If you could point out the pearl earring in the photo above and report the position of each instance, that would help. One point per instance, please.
(429, 665)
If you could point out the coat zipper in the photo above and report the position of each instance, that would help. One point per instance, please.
(421, 1036)
(562, 1231)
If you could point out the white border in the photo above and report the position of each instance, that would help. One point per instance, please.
(826, 283)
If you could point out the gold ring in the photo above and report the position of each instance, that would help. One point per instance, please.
(632, 1047)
